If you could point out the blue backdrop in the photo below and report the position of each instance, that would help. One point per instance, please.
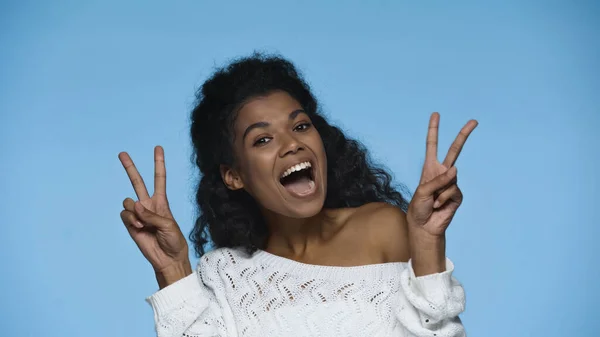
(81, 81)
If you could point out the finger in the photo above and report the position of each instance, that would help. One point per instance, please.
(432, 137)
(151, 219)
(438, 183)
(458, 143)
(441, 190)
(451, 193)
(130, 220)
(134, 176)
(129, 205)
(160, 172)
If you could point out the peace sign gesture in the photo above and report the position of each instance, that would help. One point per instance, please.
(151, 224)
(438, 197)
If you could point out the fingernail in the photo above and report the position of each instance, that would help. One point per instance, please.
(138, 224)
(436, 204)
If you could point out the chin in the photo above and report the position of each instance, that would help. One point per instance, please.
(307, 209)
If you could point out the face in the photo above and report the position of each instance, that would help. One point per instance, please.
(280, 158)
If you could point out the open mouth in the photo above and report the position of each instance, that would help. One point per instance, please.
(299, 179)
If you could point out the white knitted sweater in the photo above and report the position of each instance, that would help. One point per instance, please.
(234, 294)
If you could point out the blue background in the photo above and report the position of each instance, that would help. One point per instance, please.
(82, 80)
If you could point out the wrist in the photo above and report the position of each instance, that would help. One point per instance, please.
(427, 252)
(173, 273)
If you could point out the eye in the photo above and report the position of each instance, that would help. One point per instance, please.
(302, 127)
(262, 141)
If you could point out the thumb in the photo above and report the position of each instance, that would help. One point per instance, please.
(151, 219)
(438, 183)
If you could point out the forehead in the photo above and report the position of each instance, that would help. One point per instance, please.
(265, 109)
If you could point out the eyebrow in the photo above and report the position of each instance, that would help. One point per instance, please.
(259, 125)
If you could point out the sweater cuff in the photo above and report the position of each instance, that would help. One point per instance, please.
(174, 295)
(434, 287)
(433, 292)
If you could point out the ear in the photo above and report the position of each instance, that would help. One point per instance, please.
(231, 178)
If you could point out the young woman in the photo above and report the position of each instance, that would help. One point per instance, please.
(310, 237)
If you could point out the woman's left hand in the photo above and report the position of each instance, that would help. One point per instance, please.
(437, 197)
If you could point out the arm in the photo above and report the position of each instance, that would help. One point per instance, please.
(187, 304)
(432, 301)
(436, 298)
(430, 288)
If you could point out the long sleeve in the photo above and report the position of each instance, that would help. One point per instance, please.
(188, 308)
(233, 294)
(433, 303)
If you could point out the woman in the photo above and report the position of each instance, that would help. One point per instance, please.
(310, 237)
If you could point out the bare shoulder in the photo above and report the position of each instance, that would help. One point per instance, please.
(384, 228)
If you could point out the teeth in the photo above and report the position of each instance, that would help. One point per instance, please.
(295, 168)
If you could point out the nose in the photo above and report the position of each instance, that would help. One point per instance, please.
(290, 145)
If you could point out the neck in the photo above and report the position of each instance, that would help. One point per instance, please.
(292, 237)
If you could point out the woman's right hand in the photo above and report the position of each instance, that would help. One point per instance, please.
(151, 225)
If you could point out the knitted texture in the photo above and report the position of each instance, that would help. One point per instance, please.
(235, 294)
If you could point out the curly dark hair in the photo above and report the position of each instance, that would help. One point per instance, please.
(232, 218)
